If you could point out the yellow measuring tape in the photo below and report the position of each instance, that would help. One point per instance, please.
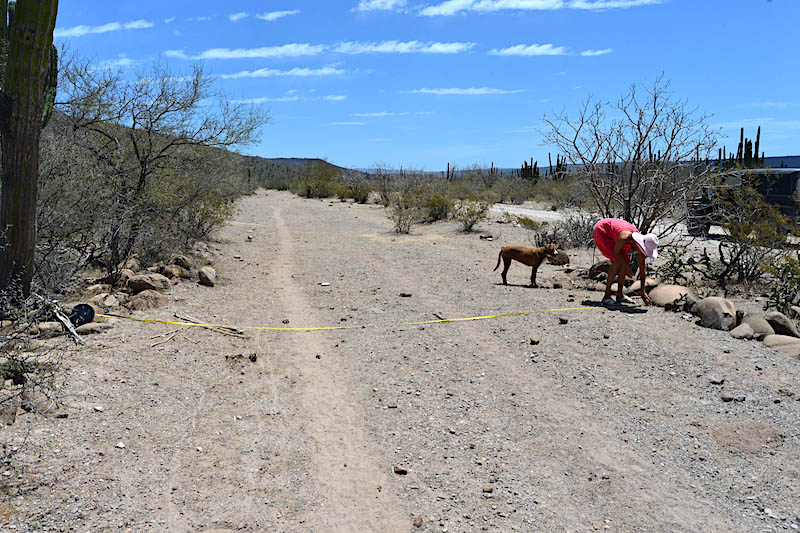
(275, 328)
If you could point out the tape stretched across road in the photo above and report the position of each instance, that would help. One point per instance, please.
(319, 328)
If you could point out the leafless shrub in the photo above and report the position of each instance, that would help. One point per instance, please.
(634, 165)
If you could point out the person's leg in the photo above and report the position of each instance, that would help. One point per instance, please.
(615, 268)
(620, 283)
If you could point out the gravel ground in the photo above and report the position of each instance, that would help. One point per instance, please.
(558, 419)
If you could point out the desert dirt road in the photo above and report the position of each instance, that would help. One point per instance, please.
(569, 417)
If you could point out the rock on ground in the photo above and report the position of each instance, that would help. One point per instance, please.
(759, 324)
(147, 299)
(781, 323)
(717, 313)
(664, 295)
(207, 276)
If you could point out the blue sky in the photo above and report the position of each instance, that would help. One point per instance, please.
(423, 83)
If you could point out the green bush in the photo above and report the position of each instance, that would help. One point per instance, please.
(359, 191)
(436, 207)
(785, 285)
(471, 211)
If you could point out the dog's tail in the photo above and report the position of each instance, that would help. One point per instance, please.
(499, 257)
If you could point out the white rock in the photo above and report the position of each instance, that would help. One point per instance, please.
(120, 445)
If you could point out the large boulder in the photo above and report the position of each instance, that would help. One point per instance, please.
(207, 276)
(174, 271)
(597, 270)
(781, 324)
(121, 276)
(784, 343)
(761, 327)
(147, 299)
(183, 262)
(148, 282)
(742, 331)
(649, 284)
(560, 259)
(717, 313)
(664, 295)
(133, 264)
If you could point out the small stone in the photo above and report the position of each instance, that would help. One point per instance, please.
(120, 445)
(740, 398)
(324, 284)
(488, 488)
(605, 476)
(535, 341)
(285, 321)
(253, 357)
(716, 380)
(207, 276)
(562, 320)
(606, 335)
(417, 521)
(399, 470)
(199, 449)
(99, 408)
(727, 397)
(405, 295)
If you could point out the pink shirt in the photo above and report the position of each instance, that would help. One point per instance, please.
(606, 233)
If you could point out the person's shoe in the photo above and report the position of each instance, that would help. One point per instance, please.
(608, 302)
(625, 300)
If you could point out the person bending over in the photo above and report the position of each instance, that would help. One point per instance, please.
(616, 238)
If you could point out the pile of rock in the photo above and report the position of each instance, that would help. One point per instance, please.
(136, 289)
(775, 329)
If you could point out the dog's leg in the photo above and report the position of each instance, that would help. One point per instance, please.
(533, 276)
(506, 266)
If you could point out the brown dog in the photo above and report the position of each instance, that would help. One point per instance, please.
(532, 257)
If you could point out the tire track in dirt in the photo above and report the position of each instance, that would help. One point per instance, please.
(349, 476)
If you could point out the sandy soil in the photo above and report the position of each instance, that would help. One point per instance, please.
(572, 420)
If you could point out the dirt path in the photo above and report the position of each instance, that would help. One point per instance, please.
(347, 471)
(529, 423)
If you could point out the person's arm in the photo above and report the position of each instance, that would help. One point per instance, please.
(622, 240)
(642, 278)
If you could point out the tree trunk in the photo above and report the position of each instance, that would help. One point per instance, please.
(30, 43)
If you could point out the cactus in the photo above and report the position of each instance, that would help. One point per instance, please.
(49, 90)
(27, 74)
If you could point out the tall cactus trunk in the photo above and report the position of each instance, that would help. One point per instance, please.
(30, 43)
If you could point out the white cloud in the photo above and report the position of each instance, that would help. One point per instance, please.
(329, 70)
(275, 15)
(380, 5)
(120, 62)
(334, 97)
(596, 5)
(592, 53)
(401, 47)
(169, 20)
(454, 7)
(236, 17)
(530, 50)
(471, 91)
(265, 99)
(203, 19)
(347, 123)
(381, 114)
(80, 31)
(286, 50)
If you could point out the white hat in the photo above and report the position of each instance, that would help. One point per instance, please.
(647, 243)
